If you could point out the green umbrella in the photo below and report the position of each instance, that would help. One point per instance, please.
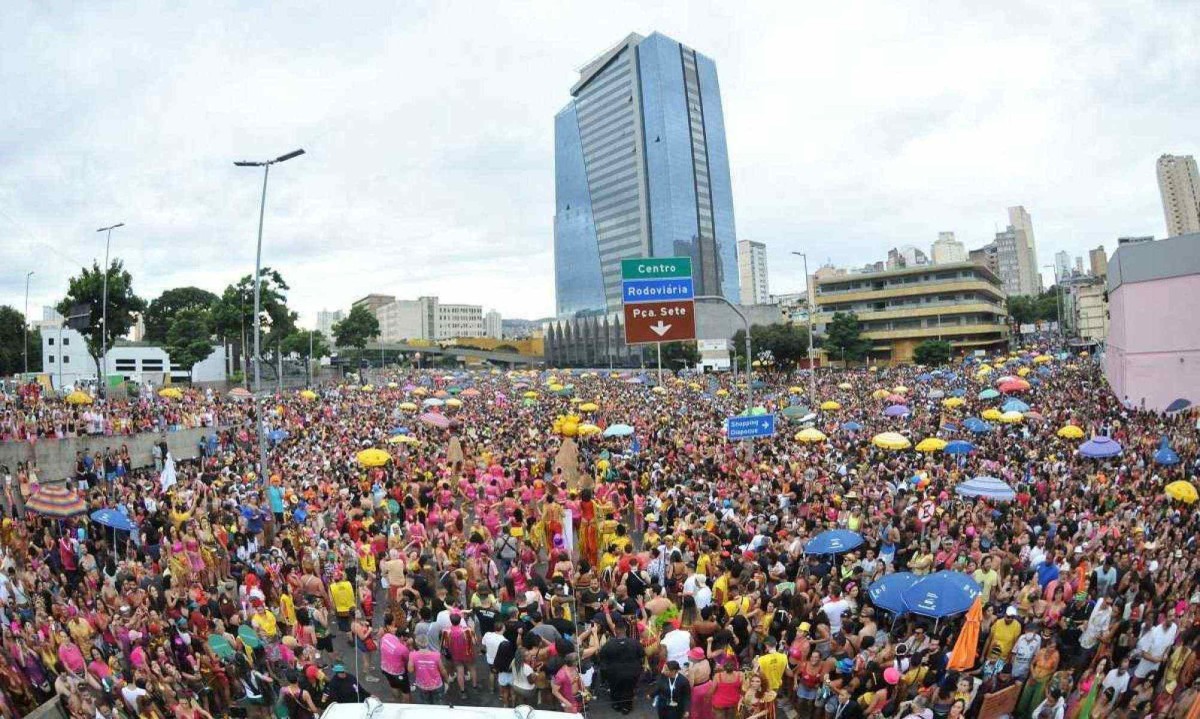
(220, 646)
(796, 411)
(249, 637)
(454, 390)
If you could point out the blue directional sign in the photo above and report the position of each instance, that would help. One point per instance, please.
(672, 288)
(742, 427)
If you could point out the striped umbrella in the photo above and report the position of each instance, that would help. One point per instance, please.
(56, 502)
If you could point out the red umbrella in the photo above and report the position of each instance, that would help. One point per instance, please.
(434, 419)
(1013, 385)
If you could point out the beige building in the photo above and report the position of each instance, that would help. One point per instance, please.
(962, 303)
(1099, 262)
(1179, 185)
(752, 272)
(947, 249)
(1091, 312)
(426, 318)
(1021, 220)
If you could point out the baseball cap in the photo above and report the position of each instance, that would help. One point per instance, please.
(339, 668)
(1010, 612)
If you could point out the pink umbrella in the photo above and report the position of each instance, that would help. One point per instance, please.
(433, 419)
(895, 399)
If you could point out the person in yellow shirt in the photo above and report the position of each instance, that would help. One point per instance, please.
(772, 665)
(1004, 634)
(287, 611)
(341, 594)
(264, 621)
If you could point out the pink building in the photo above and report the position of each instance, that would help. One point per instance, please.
(1153, 354)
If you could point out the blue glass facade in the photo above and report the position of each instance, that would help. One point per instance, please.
(642, 144)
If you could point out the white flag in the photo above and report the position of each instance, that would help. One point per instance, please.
(167, 479)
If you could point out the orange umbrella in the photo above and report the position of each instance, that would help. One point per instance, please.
(963, 656)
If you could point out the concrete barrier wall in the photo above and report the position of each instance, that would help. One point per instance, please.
(55, 458)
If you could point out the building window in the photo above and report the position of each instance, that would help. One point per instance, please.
(50, 341)
(66, 341)
(66, 359)
(51, 358)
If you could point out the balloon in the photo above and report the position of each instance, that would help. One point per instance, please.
(891, 675)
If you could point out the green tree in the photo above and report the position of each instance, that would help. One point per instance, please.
(162, 310)
(932, 353)
(357, 329)
(678, 354)
(843, 338)
(780, 344)
(297, 343)
(1025, 309)
(189, 339)
(12, 348)
(87, 288)
(233, 312)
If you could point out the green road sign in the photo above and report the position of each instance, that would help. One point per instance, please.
(650, 268)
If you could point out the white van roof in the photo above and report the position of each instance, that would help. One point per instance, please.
(423, 711)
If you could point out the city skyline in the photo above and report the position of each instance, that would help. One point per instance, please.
(449, 182)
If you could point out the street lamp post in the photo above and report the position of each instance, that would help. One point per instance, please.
(746, 324)
(262, 206)
(809, 295)
(25, 325)
(104, 312)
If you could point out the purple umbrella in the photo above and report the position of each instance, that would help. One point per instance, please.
(896, 410)
(1100, 447)
(433, 419)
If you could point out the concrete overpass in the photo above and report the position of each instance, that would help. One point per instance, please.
(512, 358)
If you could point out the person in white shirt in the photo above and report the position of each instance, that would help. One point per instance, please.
(677, 642)
(834, 608)
(703, 593)
(1117, 678)
(1052, 707)
(1153, 646)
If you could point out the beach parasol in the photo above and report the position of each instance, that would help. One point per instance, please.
(988, 393)
(1100, 447)
(407, 406)
(886, 592)
(852, 427)
(308, 394)
(78, 397)
(113, 519)
(618, 430)
(433, 419)
(589, 407)
(986, 488)
(1070, 431)
(1014, 405)
(373, 457)
(880, 394)
(844, 385)
(1182, 490)
(959, 446)
(56, 501)
(976, 425)
(833, 541)
(941, 594)
(170, 393)
(403, 439)
(454, 402)
(240, 393)
(1011, 417)
(891, 440)
(931, 444)
(896, 410)
(953, 402)
(830, 405)
(991, 414)
(1164, 455)
(810, 434)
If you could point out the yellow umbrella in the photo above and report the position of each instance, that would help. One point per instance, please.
(373, 457)
(811, 434)
(420, 391)
(555, 387)
(795, 390)
(722, 392)
(308, 394)
(874, 368)
(829, 405)
(587, 430)
(78, 397)
(991, 413)
(1070, 431)
(569, 429)
(952, 402)
(1182, 490)
(1023, 372)
(984, 369)
(931, 444)
(880, 393)
(1042, 359)
(845, 385)
(170, 393)
(575, 400)
(659, 390)
(589, 407)
(693, 386)
(530, 395)
(552, 380)
(393, 385)
(403, 439)
(891, 440)
(900, 389)
(407, 406)
(368, 388)
(1011, 417)
(454, 402)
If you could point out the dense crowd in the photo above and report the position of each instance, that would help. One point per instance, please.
(490, 558)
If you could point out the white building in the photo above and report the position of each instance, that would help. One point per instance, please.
(66, 359)
(1062, 264)
(1179, 185)
(426, 318)
(1020, 220)
(947, 249)
(493, 325)
(752, 272)
(326, 320)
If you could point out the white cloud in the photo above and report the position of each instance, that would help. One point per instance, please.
(853, 127)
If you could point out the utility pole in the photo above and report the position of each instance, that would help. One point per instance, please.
(262, 207)
(25, 324)
(809, 300)
(103, 384)
(310, 358)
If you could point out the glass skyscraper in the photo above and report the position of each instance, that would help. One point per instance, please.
(641, 170)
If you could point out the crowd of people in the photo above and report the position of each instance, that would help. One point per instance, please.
(508, 549)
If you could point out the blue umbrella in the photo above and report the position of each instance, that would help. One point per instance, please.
(941, 594)
(618, 430)
(1100, 447)
(958, 392)
(896, 410)
(986, 488)
(399, 430)
(949, 376)
(887, 590)
(757, 384)
(924, 377)
(1178, 405)
(1014, 405)
(976, 425)
(277, 435)
(833, 541)
(1045, 371)
(113, 519)
(988, 393)
(852, 427)
(1165, 455)
(959, 446)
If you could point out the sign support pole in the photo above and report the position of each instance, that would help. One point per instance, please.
(659, 346)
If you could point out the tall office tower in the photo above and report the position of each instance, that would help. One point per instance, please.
(1099, 261)
(1078, 264)
(947, 249)
(752, 271)
(641, 170)
(1019, 219)
(1179, 185)
(1012, 259)
(1062, 264)
(326, 320)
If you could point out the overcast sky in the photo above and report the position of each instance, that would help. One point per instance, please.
(852, 128)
